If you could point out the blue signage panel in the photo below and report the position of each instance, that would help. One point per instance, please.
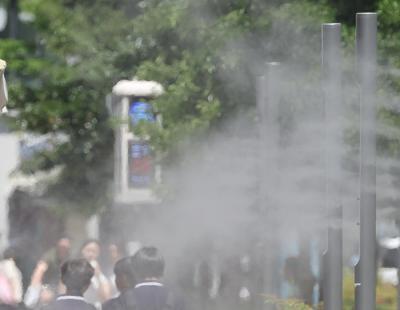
(141, 167)
(140, 111)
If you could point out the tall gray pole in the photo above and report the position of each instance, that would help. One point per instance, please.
(13, 19)
(331, 71)
(366, 39)
(268, 101)
(398, 267)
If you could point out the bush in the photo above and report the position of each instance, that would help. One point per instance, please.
(386, 294)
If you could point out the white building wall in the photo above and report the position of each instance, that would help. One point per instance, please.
(9, 158)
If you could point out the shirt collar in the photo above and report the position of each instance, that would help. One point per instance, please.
(70, 297)
(148, 284)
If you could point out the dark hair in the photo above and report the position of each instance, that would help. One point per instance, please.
(76, 274)
(124, 268)
(148, 263)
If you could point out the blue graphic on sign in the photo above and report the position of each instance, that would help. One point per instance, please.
(140, 111)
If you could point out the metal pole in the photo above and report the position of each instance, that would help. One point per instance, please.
(366, 39)
(357, 286)
(13, 19)
(398, 277)
(273, 85)
(267, 101)
(398, 267)
(331, 69)
(260, 98)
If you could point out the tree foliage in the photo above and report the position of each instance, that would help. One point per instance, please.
(206, 53)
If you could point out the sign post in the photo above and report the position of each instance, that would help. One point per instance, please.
(134, 168)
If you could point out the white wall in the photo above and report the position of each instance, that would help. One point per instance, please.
(9, 157)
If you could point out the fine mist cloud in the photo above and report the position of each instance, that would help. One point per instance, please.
(224, 200)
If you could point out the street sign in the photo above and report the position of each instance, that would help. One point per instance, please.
(141, 166)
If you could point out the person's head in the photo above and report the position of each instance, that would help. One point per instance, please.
(76, 275)
(90, 249)
(63, 248)
(116, 250)
(124, 276)
(148, 263)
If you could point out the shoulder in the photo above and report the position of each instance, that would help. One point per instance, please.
(8, 307)
(50, 306)
(90, 307)
(68, 304)
(128, 298)
(173, 299)
(111, 304)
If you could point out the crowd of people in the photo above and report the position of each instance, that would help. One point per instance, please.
(121, 277)
(61, 281)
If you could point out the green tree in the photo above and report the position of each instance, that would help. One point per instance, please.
(206, 53)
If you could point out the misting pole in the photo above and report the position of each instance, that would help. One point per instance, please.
(331, 73)
(267, 102)
(366, 40)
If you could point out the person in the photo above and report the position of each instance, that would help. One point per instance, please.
(99, 290)
(115, 252)
(76, 275)
(150, 292)
(240, 282)
(46, 278)
(39, 294)
(299, 280)
(206, 275)
(51, 262)
(10, 279)
(124, 280)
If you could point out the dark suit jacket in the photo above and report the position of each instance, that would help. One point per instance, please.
(114, 304)
(69, 303)
(152, 296)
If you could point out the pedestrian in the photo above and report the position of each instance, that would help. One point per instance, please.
(38, 293)
(300, 281)
(150, 292)
(76, 275)
(124, 280)
(50, 263)
(10, 279)
(239, 287)
(114, 252)
(99, 290)
(206, 278)
(46, 278)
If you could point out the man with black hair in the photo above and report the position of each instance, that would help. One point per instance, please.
(75, 275)
(54, 258)
(124, 280)
(150, 293)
